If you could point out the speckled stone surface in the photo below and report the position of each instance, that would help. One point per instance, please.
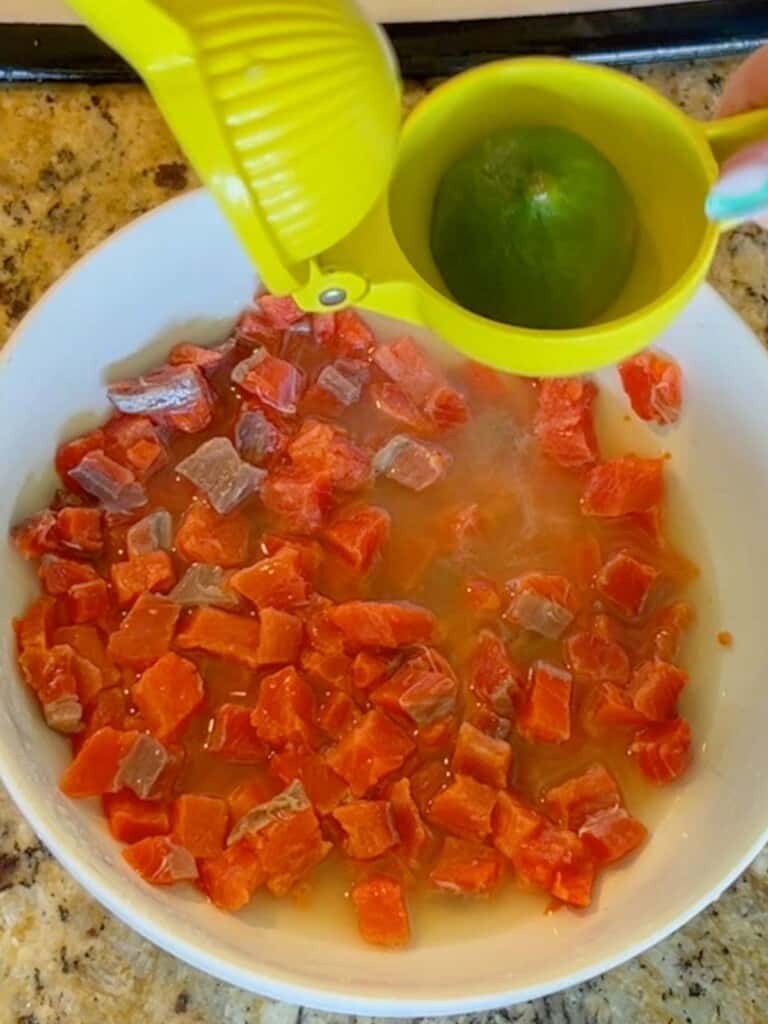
(76, 163)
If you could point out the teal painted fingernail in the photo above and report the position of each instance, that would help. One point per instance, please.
(740, 194)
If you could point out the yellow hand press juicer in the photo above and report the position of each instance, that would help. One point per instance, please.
(290, 112)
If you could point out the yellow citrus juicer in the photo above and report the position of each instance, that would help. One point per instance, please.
(290, 112)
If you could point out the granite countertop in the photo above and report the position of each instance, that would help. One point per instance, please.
(76, 163)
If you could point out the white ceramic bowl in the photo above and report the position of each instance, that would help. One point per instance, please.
(179, 273)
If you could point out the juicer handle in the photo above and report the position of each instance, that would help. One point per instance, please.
(727, 135)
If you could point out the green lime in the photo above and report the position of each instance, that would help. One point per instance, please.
(534, 227)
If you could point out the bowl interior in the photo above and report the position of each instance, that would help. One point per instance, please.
(179, 274)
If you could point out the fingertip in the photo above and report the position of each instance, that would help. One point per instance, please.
(747, 88)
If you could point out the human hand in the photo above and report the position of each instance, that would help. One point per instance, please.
(745, 174)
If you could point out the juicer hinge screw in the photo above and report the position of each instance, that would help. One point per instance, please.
(333, 296)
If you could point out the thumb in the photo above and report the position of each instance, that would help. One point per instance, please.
(741, 192)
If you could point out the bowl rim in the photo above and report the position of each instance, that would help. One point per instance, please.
(286, 985)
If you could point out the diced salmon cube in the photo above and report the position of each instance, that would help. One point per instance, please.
(146, 632)
(259, 436)
(513, 823)
(324, 328)
(88, 602)
(369, 828)
(556, 860)
(71, 454)
(230, 636)
(611, 834)
(427, 781)
(623, 486)
(405, 363)
(593, 659)
(284, 709)
(466, 868)
(322, 634)
(358, 534)
(206, 359)
(446, 408)
(200, 824)
(608, 707)
(95, 768)
(278, 581)
(412, 463)
(352, 336)
(324, 788)
(289, 849)
(231, 879)
(415, 838)
(394, 403)
(482, 595)
(113, 485)
(545, 717)
(654, 385)
(321, 449)
(373, 749)
(494, 678)
(205, 536)
(253, 328)
(168, 694)
(90, 679)
(130, 818)
(176, 396)
(58, 575)
(280, 310)
(564, 423)
(136, 443)
(247, 795)
(382, 624)
(655, 687)
(310, 552)
(233, 737)
(578, 798)
(485, 759)
(382, 914)
(423, 696)
(666, 628)
(34, 629)
(52, 674)
(338, 386)
(368, 669)
(338, 714)
(326, 667)
(626, 582)
(37, 535)
(152, 572)
(154, 532)
(108, 708)
(279, 638)
(81, 529)
(488, 722)
(430, 700)
(464, 809)
(544, 603)
(160, 861)
(663, 750)
(301, 498)
(87, 641)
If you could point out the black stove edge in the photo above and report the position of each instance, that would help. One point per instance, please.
(706, 28)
